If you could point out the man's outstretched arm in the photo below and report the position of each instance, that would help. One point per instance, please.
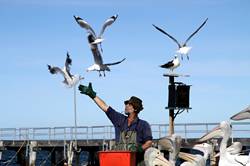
(101, 104)
(88, 90)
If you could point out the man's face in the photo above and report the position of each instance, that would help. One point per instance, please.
(129, 109)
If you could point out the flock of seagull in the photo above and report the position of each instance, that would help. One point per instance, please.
(183, 49)
(229, 155)
(95, 42)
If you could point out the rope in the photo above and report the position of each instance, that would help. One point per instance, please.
(43, 162)
(10, 160)
(60, 162)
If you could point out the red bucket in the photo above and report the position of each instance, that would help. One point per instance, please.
(117, 158)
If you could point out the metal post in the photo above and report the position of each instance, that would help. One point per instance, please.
(75, 114)
(159, 131)
(49, 135)
(185, 128)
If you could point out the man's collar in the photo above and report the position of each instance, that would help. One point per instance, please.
(135, 120)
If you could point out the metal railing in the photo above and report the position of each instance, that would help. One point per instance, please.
(185, 130)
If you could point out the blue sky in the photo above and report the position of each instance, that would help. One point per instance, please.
(36, 33)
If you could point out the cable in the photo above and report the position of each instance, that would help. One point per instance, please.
(10, 160)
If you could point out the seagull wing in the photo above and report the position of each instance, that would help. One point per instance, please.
(68, 62)
(168, 64)
(171, 37)
(84, 25)
(95, 51)
(55, 70)
(195, 32)
(115, 63)
(107, 23)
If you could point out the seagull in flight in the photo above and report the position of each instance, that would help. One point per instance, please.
(97, 39)
(98, 65)
(69, 79)
(172, 64)
(183, 49)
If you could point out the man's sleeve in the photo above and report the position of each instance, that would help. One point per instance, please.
(115, 117)
(147, 132)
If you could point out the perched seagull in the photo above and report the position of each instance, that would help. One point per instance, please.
(183, 48)
(97, 39)
(153, 157)
(244, 114)
(69, 79)
(98, 65)
(226, 158)
(172, 64)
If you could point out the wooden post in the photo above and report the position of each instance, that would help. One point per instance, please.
(70, 153)
(171, 111)
(21, 159)
(32, 153)
(1, 149)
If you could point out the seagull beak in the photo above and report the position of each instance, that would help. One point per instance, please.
(216, 132)
(162, 161)
(245, 114)
(186, 156)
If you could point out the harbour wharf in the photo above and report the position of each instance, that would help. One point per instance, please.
(59, 141)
